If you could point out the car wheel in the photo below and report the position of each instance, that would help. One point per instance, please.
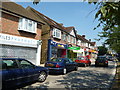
(76, 68)
(64, 71)
(96, 65)
(42, 77)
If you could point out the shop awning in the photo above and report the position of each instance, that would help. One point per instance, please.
(74, 48)
(78, 51)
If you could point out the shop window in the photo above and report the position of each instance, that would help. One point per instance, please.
(57, 33)
(27, 25)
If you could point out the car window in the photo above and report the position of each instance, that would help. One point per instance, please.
(81, 58)
(67, 61)
(70, 60)
(101, 58)
(9, 64)
(57, 60)
(26, 64)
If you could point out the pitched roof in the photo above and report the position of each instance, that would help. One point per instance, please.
(50, 21)
(18, 10)
(82, 38)
(69, 29)
(85, 40)
(46, 19)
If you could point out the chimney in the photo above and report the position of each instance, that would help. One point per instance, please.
(83, 36)
(90, 40)
(61, 24)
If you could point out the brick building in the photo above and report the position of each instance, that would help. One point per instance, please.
(58, 41)
(20, 35)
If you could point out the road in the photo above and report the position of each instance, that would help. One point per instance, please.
(85, 77)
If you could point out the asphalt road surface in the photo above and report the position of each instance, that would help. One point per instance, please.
(85, 77)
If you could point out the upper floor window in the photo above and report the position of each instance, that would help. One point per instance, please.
(79, 42)
(64, 37)
(73, 40)
(56, 33)
(27, 25)
(68, 38)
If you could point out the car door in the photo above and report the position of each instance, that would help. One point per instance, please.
(68, 64)
(28, 70)
(12, 74)
(73, 64)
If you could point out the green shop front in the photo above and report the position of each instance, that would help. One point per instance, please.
(72, 51)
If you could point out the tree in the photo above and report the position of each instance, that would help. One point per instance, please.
(108, 15)
(36, 1)
(102, 50)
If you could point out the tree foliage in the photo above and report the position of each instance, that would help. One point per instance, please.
(102, 50)
(36, 1)
(108, 15)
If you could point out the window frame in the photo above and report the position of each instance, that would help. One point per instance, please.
(32, 65)
(56, 32)
(24, 23)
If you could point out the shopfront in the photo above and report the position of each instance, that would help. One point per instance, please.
(20, 47)
(56, 50)
(72, 51)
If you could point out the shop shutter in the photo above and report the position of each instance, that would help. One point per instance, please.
(19, 52)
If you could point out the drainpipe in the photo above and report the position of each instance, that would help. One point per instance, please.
(38, 56)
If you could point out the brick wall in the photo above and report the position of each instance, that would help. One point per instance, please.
(10, 26)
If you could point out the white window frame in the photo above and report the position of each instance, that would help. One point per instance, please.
(57, 33)
(24, 25)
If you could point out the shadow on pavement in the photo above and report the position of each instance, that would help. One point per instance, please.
(86, 79)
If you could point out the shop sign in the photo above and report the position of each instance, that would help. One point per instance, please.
(11, 38)
(74, 48)
(17, 41)
(58, 44)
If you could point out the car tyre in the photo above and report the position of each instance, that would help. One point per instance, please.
(96, 65)
(64, 71)
(76, 68)
(42, 77)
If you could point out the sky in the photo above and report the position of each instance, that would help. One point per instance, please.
(77, 14)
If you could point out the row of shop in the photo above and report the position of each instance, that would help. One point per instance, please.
(56, 50)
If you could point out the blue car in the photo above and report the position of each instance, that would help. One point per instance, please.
(17, 71)
(61, 65)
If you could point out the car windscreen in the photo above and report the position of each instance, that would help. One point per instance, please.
(57, 60)
(101, 58)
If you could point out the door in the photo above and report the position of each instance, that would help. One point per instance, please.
(28, 70)
(12, 74)
(68, 64)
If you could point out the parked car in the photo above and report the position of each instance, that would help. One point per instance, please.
(83, 61)
(110, 58)
(17, 71)
(61, 65)
(101, 61)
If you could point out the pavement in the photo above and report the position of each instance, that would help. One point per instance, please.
(116, 82)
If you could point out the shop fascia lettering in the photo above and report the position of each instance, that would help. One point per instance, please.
(57, 44)
(74, 48)
(11, 38)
